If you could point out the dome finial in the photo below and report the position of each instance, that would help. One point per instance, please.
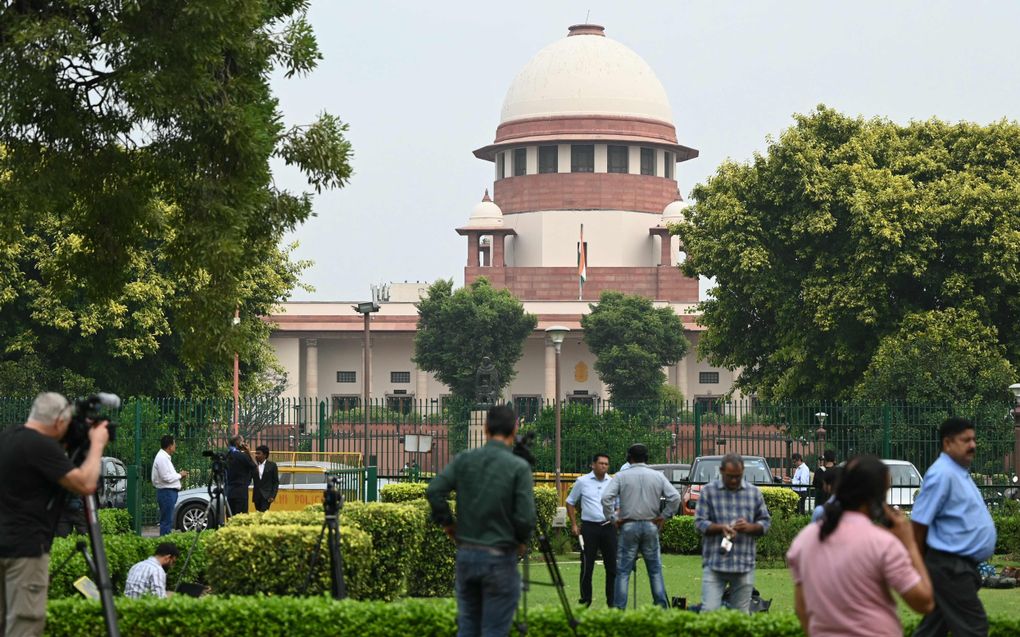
(586, 29)
(486, 197)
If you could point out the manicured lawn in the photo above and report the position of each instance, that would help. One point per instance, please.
(682, 574)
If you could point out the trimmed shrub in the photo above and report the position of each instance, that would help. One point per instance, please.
(312, 617)
(1007, 528)
(432, 575)
(403, 492)
(274, 560)
(781, 501)
(311, 515)
(773, 546)
(115, 521)
(680, 536)
(397, 532)
(546, 503)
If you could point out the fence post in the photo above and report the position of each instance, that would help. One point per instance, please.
(322, 425)
(697, 429)
(886, 431)
(133, 486)
(371, 484)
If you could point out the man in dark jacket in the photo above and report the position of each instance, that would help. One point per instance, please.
(267, 479)
(240, 470)
(495, 518)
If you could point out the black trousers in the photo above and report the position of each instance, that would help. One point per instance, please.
(598, 538)
(958, 610)
(802, 500)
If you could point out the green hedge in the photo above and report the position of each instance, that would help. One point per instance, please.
(122, 552)
(312, 617)
(274, 560)
(432, 575)
(773, 546)
(115, 521)
(1008, 529)
(680, 536)
(781, 501)
(397, 531)
(403, 491)
(310, 516)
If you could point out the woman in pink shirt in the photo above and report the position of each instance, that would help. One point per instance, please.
(845, 567)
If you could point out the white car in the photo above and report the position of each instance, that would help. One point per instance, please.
(904, 483)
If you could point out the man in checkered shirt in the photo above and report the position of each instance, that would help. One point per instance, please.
(148, 577)
(729, 509)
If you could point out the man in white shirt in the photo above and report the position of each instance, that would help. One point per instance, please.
(596, 531)
(801, 480)
(167, 482)
(148, 577)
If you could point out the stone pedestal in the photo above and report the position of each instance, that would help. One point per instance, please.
(476, 428)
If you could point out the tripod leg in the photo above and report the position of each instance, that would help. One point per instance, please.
(336, 560)
(315, 560)
(210, 518)
(102, 573)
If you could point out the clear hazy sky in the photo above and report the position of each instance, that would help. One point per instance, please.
(421, 85)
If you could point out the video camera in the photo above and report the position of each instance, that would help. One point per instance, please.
(332, 498)
(218, 460)
(84, 416)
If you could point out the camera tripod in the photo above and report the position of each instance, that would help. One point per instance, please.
(332, 502)
(216, 512)
(521, 622)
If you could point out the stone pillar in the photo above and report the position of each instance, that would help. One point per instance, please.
(472, 259)
(666, 256)
(311, 368)
(497, 250)
(550, 371)
(476, 428)
(681, 378)
(421, 385)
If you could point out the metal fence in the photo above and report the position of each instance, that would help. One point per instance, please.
(409, 439)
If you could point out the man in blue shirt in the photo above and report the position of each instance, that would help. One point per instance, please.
(954, 529)
(731, 515)
(596, 531)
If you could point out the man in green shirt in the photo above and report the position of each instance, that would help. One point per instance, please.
(495, 518)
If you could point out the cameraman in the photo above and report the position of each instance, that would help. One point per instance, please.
(495, 518)
(240, 469)
(33, 468)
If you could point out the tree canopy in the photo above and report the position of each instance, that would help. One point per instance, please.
(823, 246)
(137, 207)
(457, 328)
(632, 340)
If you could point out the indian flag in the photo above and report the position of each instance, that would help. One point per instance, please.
(582, 264)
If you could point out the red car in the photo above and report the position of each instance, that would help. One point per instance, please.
(706, 468)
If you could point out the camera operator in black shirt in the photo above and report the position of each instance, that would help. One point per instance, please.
(34, 471)
(240, 469)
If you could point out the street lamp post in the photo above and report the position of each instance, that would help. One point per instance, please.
(556, 334)
(366, 309)
(1015, 388)
(237, 377)
(820, 432)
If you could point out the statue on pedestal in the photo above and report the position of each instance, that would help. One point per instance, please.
(486, 383)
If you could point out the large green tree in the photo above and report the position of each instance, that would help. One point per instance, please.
(824, 244)
(632, 340)
(457, 328)
(137, 208)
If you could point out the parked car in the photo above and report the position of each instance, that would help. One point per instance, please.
(676, 473)
(302, 482)
(904, 483)
(706, 468)
(112, 492)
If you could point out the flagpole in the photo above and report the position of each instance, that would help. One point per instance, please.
(582, 262)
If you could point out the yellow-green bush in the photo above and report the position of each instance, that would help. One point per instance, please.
(781, 501)
(432, 575)
(274, 560)
(403, 491)
(397, 531)
(306, 517)
(680, 536)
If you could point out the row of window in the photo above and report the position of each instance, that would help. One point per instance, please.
(582, 160)
(395, 377)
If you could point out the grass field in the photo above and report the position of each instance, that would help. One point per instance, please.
(682, 574)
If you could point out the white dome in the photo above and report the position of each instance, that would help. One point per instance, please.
(586, 74)
(486, 214)
(674, 212)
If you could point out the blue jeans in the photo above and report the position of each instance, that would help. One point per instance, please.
(166, 499)
(713, 584)
(634, 537)
(488, 587)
